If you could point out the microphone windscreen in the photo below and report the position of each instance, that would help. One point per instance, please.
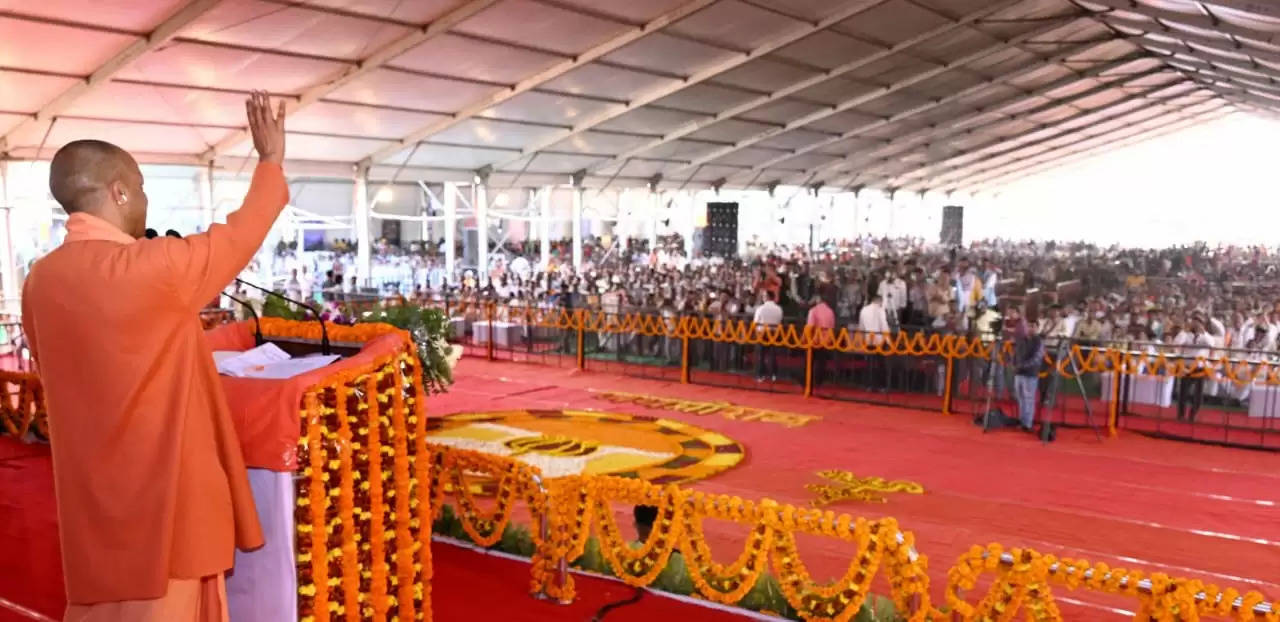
(151, 234)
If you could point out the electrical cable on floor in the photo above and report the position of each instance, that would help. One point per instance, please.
(603, 611)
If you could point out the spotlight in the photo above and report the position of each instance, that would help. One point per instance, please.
(384, 195)
(501, 200)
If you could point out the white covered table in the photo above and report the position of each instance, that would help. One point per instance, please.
(505, 334)
(1141, 389)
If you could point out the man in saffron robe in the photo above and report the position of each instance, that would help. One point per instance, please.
(152, 492)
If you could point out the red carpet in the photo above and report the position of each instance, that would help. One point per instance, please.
(470, 585)
(1189, 510)
(466, 581)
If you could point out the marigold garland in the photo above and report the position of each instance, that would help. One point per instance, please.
(29, 413)
(346, 508)
(839, 600)
(312, 535)
(719, 583)
(377, 550)
(362, 552)
(642, 566)
(1021, 588)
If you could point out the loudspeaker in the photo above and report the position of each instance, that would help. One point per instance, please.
(952, 233)
(391, 231)
(721, 235)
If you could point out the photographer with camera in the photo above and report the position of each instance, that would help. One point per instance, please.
(1028, 359)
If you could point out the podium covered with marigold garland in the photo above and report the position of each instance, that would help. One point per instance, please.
(351, 437)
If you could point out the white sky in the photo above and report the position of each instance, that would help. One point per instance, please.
(1218, 182)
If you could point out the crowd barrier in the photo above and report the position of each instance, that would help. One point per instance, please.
(1124, 385)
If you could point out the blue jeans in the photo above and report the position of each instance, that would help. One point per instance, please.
(1024, 390)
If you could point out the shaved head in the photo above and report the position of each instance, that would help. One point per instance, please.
(81, 172)
(99, 178)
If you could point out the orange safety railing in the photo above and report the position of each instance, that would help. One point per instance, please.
(1135, 360)
(950, 349)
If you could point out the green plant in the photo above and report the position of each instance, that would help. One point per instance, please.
(273, 306)
(428, 328)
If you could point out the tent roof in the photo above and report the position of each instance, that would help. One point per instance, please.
(911, 94)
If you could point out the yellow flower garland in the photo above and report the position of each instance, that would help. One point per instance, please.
(639, 567)
(718, 583)
(1022, 588)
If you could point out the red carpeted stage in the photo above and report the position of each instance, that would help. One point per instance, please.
(1187, 510)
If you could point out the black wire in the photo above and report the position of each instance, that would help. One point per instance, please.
(603, 611)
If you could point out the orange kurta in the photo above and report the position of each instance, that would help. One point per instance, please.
(150, 482)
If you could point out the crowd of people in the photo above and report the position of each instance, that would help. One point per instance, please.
(1189, 301)
(1193, 296)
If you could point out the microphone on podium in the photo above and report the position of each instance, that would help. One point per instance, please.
(257, 324)
(324, 329)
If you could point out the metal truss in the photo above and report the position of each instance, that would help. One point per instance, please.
(350, 73)
(886, 90)
(849, 10)
(551, 73)
(1020, 170)
(973, 171)
(188, 13)
(1146, 93)
(798, 86)
(966, 126)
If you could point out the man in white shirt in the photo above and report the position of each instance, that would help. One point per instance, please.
(893, 294)
(873, 322)
(768, 318)
(1196, 348)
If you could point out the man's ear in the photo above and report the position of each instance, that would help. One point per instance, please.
(116, 192)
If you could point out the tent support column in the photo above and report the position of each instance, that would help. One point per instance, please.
(360, 214)
(204, 183)
(578, 191)
(450, 229)
(544, 231)
(482, 227)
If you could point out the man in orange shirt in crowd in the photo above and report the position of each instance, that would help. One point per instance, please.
(153, 498)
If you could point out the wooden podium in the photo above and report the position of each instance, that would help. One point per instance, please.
(335, 458)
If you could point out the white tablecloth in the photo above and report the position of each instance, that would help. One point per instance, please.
(263, 586)
(1142, 389)
(457, 327)
(1264, 400)
(506, 334)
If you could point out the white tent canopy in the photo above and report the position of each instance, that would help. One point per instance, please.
(911, 94)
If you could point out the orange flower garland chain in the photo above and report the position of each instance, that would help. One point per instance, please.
(363, 554)
(581, 505)
(29, 413)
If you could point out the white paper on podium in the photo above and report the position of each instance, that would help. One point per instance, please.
(280, 370)
(268, 361)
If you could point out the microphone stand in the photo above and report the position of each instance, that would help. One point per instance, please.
(324, 331)
(257, 325)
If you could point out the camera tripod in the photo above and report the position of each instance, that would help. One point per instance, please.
(1051, 393)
